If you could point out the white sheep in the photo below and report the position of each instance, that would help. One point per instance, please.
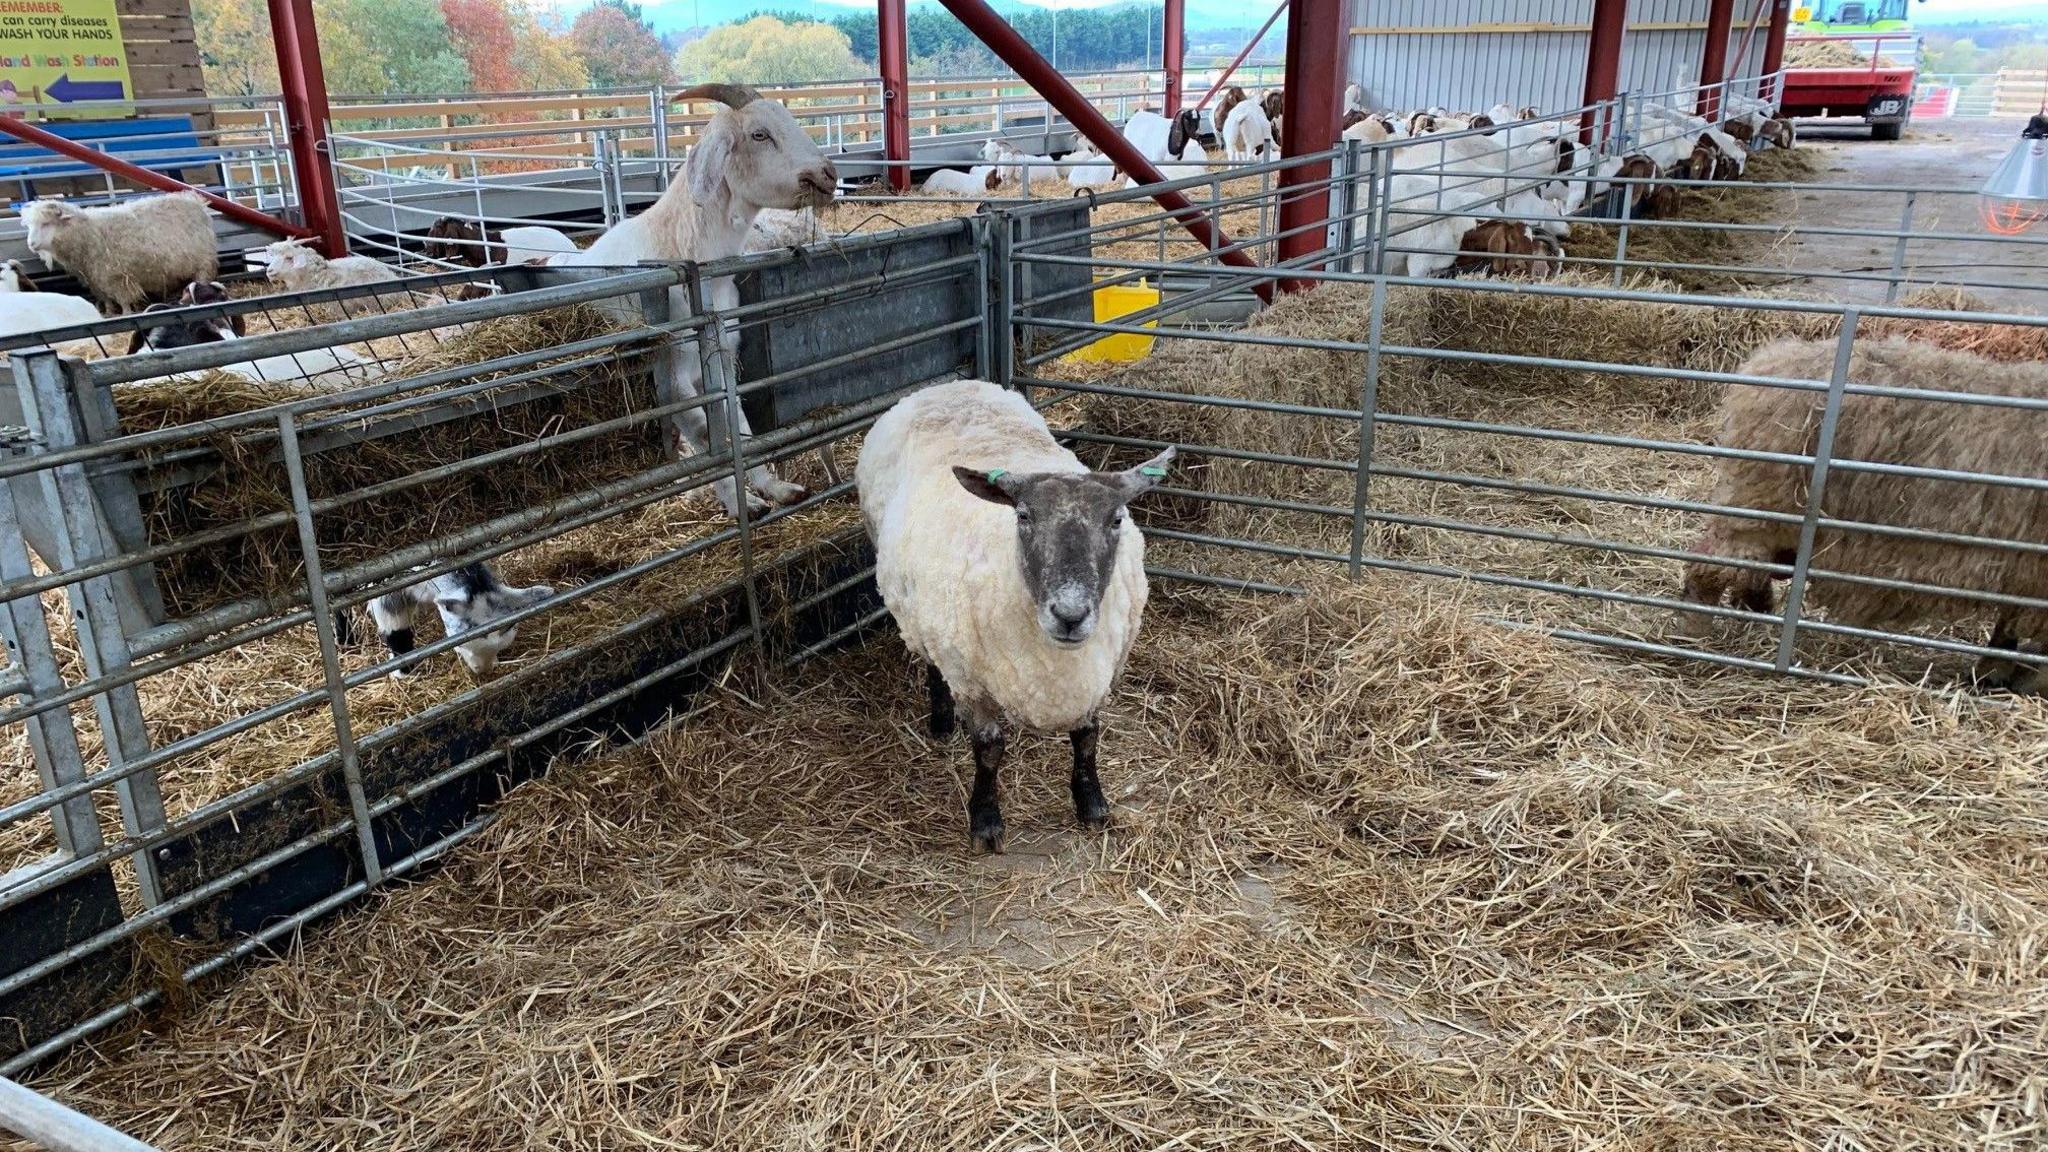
(1247, 133)
(776, 228)
(1354, 98)
(979, 180)
(25, 308)
(751, 155)
(295, 266)
(469, 599)
(1010, 568)
(127, 255)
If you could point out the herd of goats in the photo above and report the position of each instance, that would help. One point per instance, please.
(1488, 193)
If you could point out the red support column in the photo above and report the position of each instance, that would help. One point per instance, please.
(305, 108)
(1714, 58)
(1308, 124)
(1012, 49)
(894, 49)
(1774, 45)
(1603, 57)
(1172, 38)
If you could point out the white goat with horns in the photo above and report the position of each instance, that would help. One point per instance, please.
(751, 155)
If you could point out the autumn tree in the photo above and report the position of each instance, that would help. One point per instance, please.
(481, 32)
(765, 50)
(235, 48)
(618, 46)
(545, 56)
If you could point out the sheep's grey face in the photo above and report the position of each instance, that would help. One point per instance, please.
(775, 163)
(1068, 528)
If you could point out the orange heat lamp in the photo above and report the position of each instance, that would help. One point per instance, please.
(2016, 197)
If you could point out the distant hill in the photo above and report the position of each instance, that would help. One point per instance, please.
(681, 15)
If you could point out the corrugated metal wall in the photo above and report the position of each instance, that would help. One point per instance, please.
(1472, 54)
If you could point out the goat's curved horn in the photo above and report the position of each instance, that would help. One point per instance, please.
(730, 95)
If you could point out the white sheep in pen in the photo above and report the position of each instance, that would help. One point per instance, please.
(1010, 568)
(980, 180)
(775, 228)
(127, 255)
(300, 269)
(23, 308)
(751, 155)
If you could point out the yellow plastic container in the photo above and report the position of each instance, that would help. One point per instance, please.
(1113, 301)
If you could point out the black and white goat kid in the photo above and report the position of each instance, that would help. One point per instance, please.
(469, 600)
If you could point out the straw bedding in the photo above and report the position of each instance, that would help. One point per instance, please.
(1382, 875)
(254, 674)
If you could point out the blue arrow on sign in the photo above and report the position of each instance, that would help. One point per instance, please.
(65, 90)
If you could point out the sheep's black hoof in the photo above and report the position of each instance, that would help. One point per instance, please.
(986, 830)
(942, 726)
(1091, 809)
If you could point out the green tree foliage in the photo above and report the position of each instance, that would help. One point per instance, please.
(1089, 38)
(372, 47)
(766, 50)
(618, 46)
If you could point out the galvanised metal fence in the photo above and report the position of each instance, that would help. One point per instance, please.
(1587, 476)
(219, 766)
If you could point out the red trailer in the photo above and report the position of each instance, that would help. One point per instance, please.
(1879, 91)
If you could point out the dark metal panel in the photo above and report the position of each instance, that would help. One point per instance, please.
(45, 925)
(798, 338)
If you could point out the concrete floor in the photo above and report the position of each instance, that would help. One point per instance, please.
(1948, 160)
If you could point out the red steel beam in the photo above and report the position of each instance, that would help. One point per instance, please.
(1714, 58)
(1774, 43)
(1309, 117)
(21, 130)
(1249, 45)
(305, 109)
(894, 50)
(1012, 49)
(1603, 58)
(1172, 39)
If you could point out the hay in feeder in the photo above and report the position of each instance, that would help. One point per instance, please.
(249, 480)
(1383, 874)
(1745, 259)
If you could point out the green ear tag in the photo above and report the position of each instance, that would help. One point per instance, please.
(995, 474)
(1155, 473)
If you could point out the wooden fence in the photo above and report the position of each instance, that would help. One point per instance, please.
(2018, 92)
